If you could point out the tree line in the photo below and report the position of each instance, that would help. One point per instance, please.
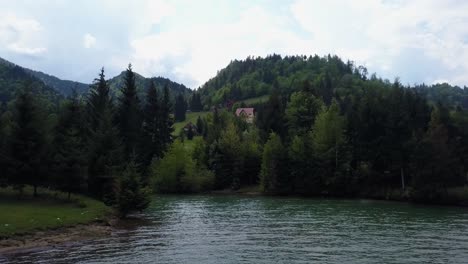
(338, 135)
(333, 130)
(91, 144)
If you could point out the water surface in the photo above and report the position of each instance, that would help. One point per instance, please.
(236, 229)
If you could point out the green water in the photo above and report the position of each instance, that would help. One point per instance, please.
(233, 229)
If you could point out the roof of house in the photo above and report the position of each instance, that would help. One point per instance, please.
(247, 111)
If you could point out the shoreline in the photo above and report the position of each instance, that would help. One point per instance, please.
(35, 240)
(388, 195)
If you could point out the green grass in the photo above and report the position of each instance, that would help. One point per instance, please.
(49, 211)
(190, 117)
(190, 144)
(255, 100)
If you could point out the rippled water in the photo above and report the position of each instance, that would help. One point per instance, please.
(233, 229)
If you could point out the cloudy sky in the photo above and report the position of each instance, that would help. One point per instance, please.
(189, 41)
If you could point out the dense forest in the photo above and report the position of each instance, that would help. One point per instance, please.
(257, 76)
(326, 129)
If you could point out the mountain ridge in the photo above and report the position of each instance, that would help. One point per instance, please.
(65, 87)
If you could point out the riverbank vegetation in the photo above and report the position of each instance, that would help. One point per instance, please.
(330, 129)
(322, 127)
(94, 144)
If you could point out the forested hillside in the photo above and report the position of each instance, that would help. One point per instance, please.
(254, 77)
(13, 78)
(64, 87)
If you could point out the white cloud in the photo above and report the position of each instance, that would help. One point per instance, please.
(189, 41)
(89, 41)
(200, 50)
(20, 35)
(379, 33)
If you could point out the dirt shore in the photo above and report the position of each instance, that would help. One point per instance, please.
(54, 237)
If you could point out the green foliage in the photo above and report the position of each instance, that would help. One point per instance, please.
(180, 108)
(28, 143)
(130, 193)
(69, 156)
(167, 121)
(14, 78)
(301, 111)
(129, 115)
(270, 117)
(328, 131)
(178, 172)
(195, 103)
(274, 177)
(105, 153)
(441, 169)
(329, 146)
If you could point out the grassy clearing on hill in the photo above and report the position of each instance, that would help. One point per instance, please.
(190, 117)
(50, 210)
(255, 100)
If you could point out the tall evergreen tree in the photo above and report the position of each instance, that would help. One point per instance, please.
(98, 101)
(104, 145)
(129, 115)
(166, 119)
(28, 143)
(195, 103)
(69, 156)
(180, 108)
(130, 193)
(152, 139)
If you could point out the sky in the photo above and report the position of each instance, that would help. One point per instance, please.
(419, 41)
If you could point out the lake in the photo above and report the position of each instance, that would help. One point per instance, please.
(241, 229)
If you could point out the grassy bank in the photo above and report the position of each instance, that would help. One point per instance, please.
(50, 210)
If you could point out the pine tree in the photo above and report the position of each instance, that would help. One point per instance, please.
(152, 139)
(70, 147)
(130, 193)
(98, 100)
(129, 117)
(28, 143)
(180, 108)
(166, 119)
(195, 103)
(104, 155)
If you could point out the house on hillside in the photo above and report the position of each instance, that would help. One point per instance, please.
(247, 113)
(189, 126)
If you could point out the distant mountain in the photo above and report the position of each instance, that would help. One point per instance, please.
(13, 78)
(116, 83)
(64, 87)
